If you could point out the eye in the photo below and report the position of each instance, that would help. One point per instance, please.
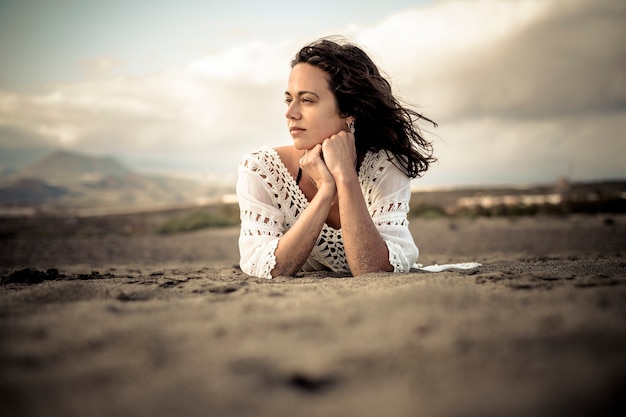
(288, 100)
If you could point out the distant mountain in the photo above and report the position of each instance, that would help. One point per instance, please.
(30, 192)
(19, 148)
(64, 168)
(71, 180)
(12, 160)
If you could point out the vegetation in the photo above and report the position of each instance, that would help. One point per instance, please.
(426, 210)
(222, 216)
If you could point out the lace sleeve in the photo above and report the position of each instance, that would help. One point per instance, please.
(261, 221)
(388, 201)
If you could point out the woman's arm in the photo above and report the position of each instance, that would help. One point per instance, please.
(365, 249)
(266, 249)
(296, 244)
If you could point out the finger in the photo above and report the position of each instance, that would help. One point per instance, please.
(310, 155)
(316, 152)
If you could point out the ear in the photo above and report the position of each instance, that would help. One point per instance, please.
(350, 123)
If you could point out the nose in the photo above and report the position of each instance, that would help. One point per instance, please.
(292, 111)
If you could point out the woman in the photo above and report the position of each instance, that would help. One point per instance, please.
(338, 198)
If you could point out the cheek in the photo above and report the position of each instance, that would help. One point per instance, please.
(337, 125)
(333, 122)
(326, 123)
(329, 128)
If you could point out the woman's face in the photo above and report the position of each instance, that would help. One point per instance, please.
(312, 112)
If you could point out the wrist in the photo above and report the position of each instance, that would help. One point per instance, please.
(327, 192)
(346, 177)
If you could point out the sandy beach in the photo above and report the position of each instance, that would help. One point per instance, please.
(139, 324)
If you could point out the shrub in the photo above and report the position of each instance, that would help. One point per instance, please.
(197, 220)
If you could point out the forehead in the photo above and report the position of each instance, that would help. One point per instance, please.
(306, 77)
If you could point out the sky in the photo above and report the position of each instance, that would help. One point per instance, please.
(523, 91)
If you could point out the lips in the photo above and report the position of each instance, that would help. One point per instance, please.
(295, 129)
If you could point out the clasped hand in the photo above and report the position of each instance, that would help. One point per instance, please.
(335, 157)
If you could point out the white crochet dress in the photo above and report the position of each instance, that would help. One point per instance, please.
(270, 201)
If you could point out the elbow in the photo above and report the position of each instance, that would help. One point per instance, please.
(253, 270)
(402, 257)
(276, 272)
(282, 270)
(372, 268)
(258, 261)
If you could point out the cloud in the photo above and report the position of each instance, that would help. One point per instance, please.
(508, 58)
(99, 67)
(495, 150)
(522, 89)
(214, 98)
(569, 62)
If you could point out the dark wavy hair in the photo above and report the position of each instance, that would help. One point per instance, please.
(381, 122)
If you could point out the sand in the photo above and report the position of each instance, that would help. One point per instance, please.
(146, 325)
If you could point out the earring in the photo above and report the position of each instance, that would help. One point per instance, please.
(351, 126)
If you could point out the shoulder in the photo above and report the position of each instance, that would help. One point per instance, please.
(376, 163)
(267, 164)
(284, 151)
(263, 156)
(277, 160)
(260, 153)
(266, 153)
(380, 177)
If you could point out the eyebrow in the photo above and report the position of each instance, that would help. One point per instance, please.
(301, 93)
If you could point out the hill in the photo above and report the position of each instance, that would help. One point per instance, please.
(64, 180)
(64, 168)
(30, 191)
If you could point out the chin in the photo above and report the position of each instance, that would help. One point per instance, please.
(298, 144)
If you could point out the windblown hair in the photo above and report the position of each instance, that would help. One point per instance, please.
(381, 122)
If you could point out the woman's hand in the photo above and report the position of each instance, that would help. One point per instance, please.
(314, 167)
(339, 152)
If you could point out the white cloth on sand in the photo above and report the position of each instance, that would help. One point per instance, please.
(444, 267)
